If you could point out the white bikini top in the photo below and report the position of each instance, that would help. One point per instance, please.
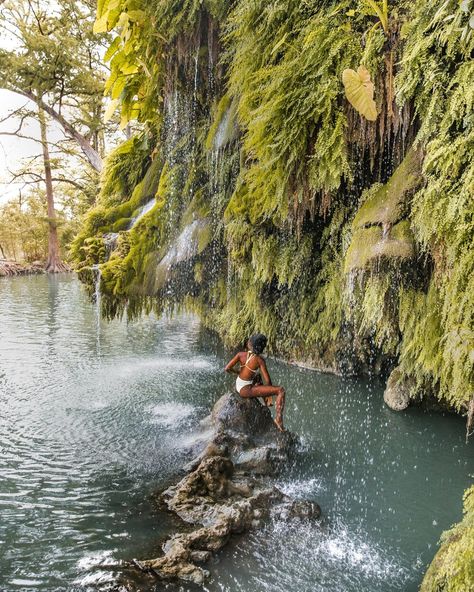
(250, 355)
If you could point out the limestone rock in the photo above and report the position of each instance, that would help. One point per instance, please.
(397, 393)
(227, 488)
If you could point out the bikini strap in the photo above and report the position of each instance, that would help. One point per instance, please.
(250, 355)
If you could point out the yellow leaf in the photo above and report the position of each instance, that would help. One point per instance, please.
(110, 109)
(118, 87)
(100, 25)
(360, 92)
(113, 47)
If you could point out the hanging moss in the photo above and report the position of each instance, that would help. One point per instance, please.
(388, 204)
(333, 234)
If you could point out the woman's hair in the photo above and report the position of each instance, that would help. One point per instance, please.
(258, 343)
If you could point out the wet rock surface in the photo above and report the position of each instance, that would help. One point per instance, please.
(397, 393)
(228, 489)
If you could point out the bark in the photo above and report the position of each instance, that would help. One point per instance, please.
(53, 263)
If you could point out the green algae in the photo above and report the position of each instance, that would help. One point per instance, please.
(369, 248)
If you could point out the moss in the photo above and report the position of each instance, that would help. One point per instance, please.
(369, 247)
(388, 203)
(452, 569)
(320, 233)
(219, 120)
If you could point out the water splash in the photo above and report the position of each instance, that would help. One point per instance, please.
(185, 246)
(171, 414)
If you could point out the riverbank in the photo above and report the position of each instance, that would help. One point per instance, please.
(12, 268)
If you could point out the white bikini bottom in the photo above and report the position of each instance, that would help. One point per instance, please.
(240, 383)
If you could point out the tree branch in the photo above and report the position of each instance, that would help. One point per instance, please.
(92, 155)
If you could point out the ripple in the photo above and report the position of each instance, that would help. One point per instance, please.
(171, 415)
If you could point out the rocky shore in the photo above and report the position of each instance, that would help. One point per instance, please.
(227, 489)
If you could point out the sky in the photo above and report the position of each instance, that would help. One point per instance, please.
(14, 150)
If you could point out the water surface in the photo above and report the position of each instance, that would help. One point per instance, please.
(96, 417)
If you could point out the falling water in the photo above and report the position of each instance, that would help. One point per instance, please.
(142, 212)
(97, 302)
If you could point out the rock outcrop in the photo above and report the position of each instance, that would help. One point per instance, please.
(398, 391)
(227, 489)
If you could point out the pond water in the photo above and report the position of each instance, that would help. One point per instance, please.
(95, 417)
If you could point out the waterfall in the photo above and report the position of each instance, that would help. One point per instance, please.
(97, 301)
(143, 210)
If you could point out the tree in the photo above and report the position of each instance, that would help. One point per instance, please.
(51, 57)
(56, 64)
(53, 263)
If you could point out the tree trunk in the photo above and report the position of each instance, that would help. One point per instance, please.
(53, 264)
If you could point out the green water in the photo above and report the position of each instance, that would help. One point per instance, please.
(96, 417)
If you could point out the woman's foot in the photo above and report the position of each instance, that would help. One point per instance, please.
(279, 424)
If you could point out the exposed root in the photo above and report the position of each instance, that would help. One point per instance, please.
(57, 267)
(12, 268)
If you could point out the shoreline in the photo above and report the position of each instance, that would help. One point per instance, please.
(10, 269)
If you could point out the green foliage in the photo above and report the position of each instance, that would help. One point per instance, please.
(317, 232)
(452, 569)
(360, 91)
(285, 67)
(442, 218)
(24, 228)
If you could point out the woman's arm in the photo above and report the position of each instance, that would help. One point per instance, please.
(232, 363)
(265, 375)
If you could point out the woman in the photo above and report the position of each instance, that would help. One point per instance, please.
(246, 384)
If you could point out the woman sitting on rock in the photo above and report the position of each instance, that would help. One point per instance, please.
(249, 384)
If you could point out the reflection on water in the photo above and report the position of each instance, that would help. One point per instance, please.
(91, 429)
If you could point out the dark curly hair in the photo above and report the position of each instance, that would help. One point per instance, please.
(258, 343)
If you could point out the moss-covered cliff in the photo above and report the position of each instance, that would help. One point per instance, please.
(259, 197)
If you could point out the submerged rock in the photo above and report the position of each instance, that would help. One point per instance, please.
(398, 391)
(227, 488)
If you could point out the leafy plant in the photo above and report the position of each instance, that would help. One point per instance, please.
(380, 10)
(360, 91)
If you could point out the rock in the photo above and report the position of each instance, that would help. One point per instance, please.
(224, 491)
(398, 391)
(254, 442)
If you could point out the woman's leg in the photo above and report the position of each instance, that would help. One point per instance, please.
(266, 391)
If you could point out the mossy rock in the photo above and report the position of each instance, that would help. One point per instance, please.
(369, 247)
(190, 242)
(387, 204)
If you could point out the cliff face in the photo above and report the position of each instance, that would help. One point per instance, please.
(256, 195)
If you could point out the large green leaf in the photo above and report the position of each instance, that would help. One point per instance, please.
(360, 91)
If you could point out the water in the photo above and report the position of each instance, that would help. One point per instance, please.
(96, 419)
(142, 212)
